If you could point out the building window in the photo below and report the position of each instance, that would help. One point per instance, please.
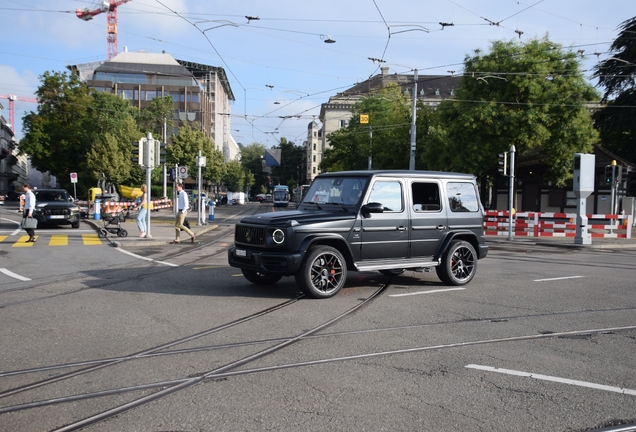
(314, 146)
(314, 171)
(314, 158)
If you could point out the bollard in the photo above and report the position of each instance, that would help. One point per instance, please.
(98, 206)
(211, 215)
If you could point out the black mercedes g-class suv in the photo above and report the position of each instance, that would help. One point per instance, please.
(388, 221)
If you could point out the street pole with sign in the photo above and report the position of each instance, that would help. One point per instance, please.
(74, 181)
(201, 162)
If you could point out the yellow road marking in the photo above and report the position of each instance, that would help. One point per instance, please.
(58, 240)
(91, 239)
(2, 238)
(22, 242)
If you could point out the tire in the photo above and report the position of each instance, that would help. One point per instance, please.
(75, 225)
(392, 272)
(459, 264)
(122, 233)
(102, 233)
(323, 272)
(261, 278)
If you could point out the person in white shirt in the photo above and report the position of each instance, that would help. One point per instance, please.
(183, 205)
(29, 206)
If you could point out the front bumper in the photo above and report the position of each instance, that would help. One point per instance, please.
(57, 219)
(286, 264)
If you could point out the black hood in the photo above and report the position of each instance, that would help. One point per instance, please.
(302, 217)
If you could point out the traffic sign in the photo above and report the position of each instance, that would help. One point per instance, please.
(73, 177)
(183, 172)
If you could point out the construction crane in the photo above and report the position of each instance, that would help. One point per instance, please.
(110, 7)
(12, 99)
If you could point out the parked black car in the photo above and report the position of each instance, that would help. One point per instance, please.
(55, 207)
(387, 221)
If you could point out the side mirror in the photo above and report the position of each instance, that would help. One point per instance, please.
(372, 207)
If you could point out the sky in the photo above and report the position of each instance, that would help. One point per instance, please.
(280, 67)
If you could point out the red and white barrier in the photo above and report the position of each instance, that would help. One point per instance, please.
(546, 224)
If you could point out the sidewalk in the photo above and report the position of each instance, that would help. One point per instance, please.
(162, 230)
(564, 242)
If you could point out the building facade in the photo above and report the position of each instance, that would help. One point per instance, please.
(200, 93)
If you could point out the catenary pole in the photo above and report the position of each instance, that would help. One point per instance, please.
(413, 118)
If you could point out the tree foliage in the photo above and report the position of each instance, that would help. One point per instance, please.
(530, 95)
(251, 160)
(386, 137)
(291, 160)
(76, 129)
(151, 119)
(617, 76)
(186, 146)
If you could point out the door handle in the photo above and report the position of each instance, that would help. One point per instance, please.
(441, 227)
(401, 228)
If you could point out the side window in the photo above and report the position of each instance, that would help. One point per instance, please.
(389, 193)
(426, 197)
(462, 197)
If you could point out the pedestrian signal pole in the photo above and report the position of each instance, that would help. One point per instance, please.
(511, 191)
(149, 150)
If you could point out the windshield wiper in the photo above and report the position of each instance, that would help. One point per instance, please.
(313, 202)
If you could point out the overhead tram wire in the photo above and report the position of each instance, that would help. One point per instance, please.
(213, 47)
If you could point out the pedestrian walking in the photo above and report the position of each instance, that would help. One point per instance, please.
(27, 216)
(183, 205)
(142, 208)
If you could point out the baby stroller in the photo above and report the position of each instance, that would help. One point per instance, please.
(112, 224)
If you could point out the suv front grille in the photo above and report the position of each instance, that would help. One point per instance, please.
(53, 211)
(250, 235)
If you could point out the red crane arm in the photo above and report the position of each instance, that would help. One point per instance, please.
(106, 6)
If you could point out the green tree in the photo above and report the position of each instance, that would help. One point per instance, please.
(386, 137)
(617, 76)
(184, 150)
(55, 136)
(532, 95)
(251, 159)
(234, 177)
(79, 130)
(151, 119)
(291, 160)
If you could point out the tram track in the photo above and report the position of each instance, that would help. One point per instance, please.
(189, 382)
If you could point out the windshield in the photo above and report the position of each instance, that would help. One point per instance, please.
(44, 196)
(336, 190)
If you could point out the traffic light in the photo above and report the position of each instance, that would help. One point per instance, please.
(159, 153)
(503, 163)
(609, 173)
(138, 152)
(173, 175)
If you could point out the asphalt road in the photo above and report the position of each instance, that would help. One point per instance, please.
(542, 339)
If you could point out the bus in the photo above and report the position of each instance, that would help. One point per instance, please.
(281, 196)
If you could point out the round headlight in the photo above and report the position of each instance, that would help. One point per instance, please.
(278, 236)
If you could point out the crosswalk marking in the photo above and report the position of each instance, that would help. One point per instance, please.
(53, 240)
(22, 242)
(91, 239)
(58, 240)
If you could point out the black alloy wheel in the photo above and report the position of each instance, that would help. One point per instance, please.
(459, 263)
(323, 272)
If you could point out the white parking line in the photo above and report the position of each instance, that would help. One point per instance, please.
(14, 275)
(145, 258)
(426, 292)
(558, 278)
(555, 379)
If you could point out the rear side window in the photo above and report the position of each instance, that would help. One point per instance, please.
(462, 197)
(426, 197)
(389, 193)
